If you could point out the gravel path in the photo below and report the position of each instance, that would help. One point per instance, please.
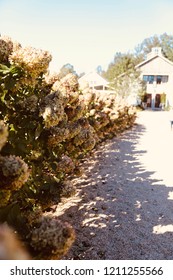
(124, 205)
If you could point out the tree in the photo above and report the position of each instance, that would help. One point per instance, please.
(123, 63)
(142, 49)
(66, 69)
(167, 45)
(164, 41)
(99, 70)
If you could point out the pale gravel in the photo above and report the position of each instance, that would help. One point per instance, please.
(123, 208)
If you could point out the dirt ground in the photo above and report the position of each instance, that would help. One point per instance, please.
(123, 208)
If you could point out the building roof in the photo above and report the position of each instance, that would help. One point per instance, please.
(153, 55)
(94, 79)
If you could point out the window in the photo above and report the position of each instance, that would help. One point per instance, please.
(164, 79)
(145, 78)
(148, 78)
(158, 79)
(161, 79)
(151, 79)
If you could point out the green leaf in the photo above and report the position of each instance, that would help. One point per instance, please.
(38, 131)
(57, 180)
(9, 83)
(2, 96)
(3, 68)
(16, 71)
(11, 128)
(54, 166)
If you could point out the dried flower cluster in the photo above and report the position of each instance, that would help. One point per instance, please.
(51, 78)
(79, 120)
(52, 238)
(29, 104)
(3, 134)
(67, 189)
(6, 47)
(4, 197)
(52, 109)
(14, 172)
(69, 82)
(65, 165)
(34, 61)
(57, 135)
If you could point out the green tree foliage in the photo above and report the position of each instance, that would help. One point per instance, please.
(164, 41)
(167, 45)
(142, 49)
(123, 63)
(66, 69)
(123, 75)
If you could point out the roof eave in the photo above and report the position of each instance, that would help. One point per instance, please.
(153, 57)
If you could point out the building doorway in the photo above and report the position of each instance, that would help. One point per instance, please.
(149, 100)
(157, 101)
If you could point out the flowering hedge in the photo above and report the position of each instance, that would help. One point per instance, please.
(47, 125)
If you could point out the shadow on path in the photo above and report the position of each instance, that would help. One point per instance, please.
(121, 211)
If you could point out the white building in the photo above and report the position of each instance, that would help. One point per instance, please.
(157, 72)
(95, 82)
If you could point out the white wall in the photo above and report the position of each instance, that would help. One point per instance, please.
(159, 66)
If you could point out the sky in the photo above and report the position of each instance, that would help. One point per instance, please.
(84, 33)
